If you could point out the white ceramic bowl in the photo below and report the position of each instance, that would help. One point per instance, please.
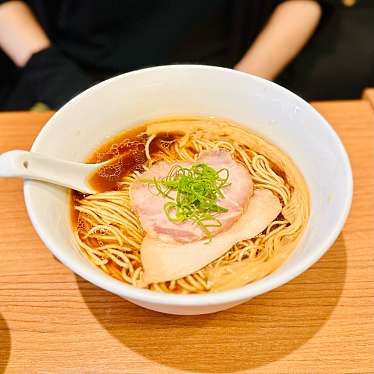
(95, 115)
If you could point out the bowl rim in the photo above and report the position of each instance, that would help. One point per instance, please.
(224, 297)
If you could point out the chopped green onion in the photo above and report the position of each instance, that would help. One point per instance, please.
(195, 191)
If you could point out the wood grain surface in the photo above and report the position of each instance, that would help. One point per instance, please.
(52, 321)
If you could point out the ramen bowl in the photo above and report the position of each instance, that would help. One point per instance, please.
(273, 112)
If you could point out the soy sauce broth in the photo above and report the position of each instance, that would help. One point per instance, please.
(127, 154)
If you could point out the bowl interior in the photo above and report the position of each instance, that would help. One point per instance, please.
(280, 116)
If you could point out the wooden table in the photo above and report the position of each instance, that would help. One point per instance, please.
(369, 96)
(52, 321)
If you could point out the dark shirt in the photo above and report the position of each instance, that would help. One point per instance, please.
(109, 37)
(338, 61)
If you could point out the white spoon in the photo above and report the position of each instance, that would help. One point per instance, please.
(47, 169)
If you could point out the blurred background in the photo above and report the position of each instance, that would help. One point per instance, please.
(52, 50)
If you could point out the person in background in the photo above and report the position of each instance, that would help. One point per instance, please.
(338, 62)
(52, 50)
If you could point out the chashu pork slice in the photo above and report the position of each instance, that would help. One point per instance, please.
(168, 261)
(150, 207)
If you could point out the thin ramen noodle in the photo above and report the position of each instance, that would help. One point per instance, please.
(109, 232)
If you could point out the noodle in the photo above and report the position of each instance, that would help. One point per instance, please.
(109, 233)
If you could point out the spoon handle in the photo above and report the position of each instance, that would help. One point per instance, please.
(36, 166)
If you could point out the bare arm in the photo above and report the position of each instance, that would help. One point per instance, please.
(20, 33)
(288, 29)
